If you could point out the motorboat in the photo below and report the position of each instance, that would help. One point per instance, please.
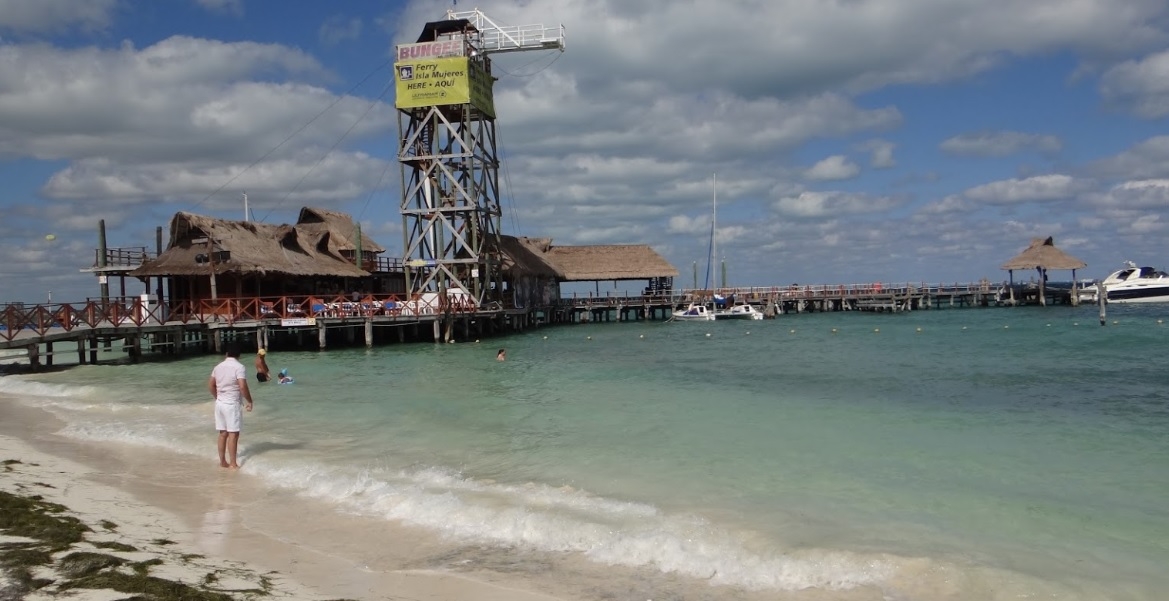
(694, 312)
(743, 311)
(1132, 284)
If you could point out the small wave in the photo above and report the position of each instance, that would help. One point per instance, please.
(564, 519)
(16, 385)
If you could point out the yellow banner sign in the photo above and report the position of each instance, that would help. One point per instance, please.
(441, 82)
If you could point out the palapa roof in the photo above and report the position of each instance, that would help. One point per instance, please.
(341, 228)
(538, 256)
(608, 262)
(526, 256)
(1043, 253)
(258, 248)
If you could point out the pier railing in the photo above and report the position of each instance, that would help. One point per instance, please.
(135, 312)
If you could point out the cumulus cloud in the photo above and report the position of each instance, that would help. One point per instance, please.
(1140, 194)
(834, 168)
(338, 28)
(226, 7)
(46, 16)
(832, 204)
(880, 153)
(1139, 86)
(1000, 143)
(178, 118)
(1147, 160)
(1040, 188)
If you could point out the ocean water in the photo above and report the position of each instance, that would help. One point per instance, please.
(998, 453)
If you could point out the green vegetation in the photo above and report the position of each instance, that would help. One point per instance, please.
(50, 530)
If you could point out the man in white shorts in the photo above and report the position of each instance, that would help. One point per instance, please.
(228, 384)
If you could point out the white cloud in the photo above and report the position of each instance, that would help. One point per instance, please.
(1041, 188)
(226, 7)
(338, 28)
(166, 121)
(881, 153)
(43, 16)
(1139, 86)
(832, 204)
(1140, 194)
(1000, 143)
(834, 168)
(1147, 160)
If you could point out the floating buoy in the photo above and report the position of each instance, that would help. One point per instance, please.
(1006, 327)
(1158, 321)
(641, 335)
(1049, 325)
(588, 337)
(748, 332)
(1075, 323)
(919, 329)
(963, 327)
(876, 330)
(792, 332)
(708, 334)
(1114, 322)
(833, 330)
(545, 338)
(50, 237)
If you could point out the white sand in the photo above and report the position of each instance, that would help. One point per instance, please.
(221, 522)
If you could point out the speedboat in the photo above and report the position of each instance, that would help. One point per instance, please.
(694, 312)
(1136, 285)
(743, 311)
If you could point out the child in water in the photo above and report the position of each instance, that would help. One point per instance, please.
(284, 377)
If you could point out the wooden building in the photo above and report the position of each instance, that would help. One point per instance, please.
(1042, 255)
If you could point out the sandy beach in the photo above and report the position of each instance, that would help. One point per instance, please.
(216, 531)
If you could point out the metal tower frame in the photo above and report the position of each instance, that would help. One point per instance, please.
(450, 171)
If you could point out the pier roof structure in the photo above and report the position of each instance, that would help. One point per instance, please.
(606, 262)
(250, 247)
(1043, 254)
(339, 226)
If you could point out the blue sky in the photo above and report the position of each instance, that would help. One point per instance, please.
(854, 140)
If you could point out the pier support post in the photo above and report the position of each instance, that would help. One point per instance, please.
(217, 341)
(401, 334)
(93, 350)
(81, 351)
(437, 331)
(321, 334)
(368, 332)
(135, 348)
(262, 338)
(350, 335)
(34, 356)
(1102, 301)
(48, 354)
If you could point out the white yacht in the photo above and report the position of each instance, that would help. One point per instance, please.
(743, 311)
(694, 312)
(1133, 284)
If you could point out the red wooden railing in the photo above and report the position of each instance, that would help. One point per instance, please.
(133, 312)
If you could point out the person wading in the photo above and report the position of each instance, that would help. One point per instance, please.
(229, 385)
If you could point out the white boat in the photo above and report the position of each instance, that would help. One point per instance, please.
(743, 311)
(1132, 284)
(694, 312)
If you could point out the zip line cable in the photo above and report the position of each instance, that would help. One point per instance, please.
(324, 156)
(295, 133)
(515, 221)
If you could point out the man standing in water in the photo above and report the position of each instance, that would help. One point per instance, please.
(229, 385)
(262, 366)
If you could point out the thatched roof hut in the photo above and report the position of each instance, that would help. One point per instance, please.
(1042, 254)
(526, 256)
(255, 248)
(341, 229)
(608, 262)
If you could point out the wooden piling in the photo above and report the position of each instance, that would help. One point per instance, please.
(368, 332)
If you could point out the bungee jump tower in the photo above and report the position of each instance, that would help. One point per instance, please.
(450, 201)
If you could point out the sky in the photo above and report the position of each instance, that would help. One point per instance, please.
(853, 140)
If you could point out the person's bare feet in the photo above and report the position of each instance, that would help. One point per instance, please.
(223, 464)
(234, 466)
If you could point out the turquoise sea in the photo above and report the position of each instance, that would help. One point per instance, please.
(998, 453)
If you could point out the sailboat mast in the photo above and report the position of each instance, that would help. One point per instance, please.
(710, 276)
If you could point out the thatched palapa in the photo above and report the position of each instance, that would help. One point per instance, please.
(609, 262)
(255, 248)
(526, 256)
(1042, 254)
(340, 227)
